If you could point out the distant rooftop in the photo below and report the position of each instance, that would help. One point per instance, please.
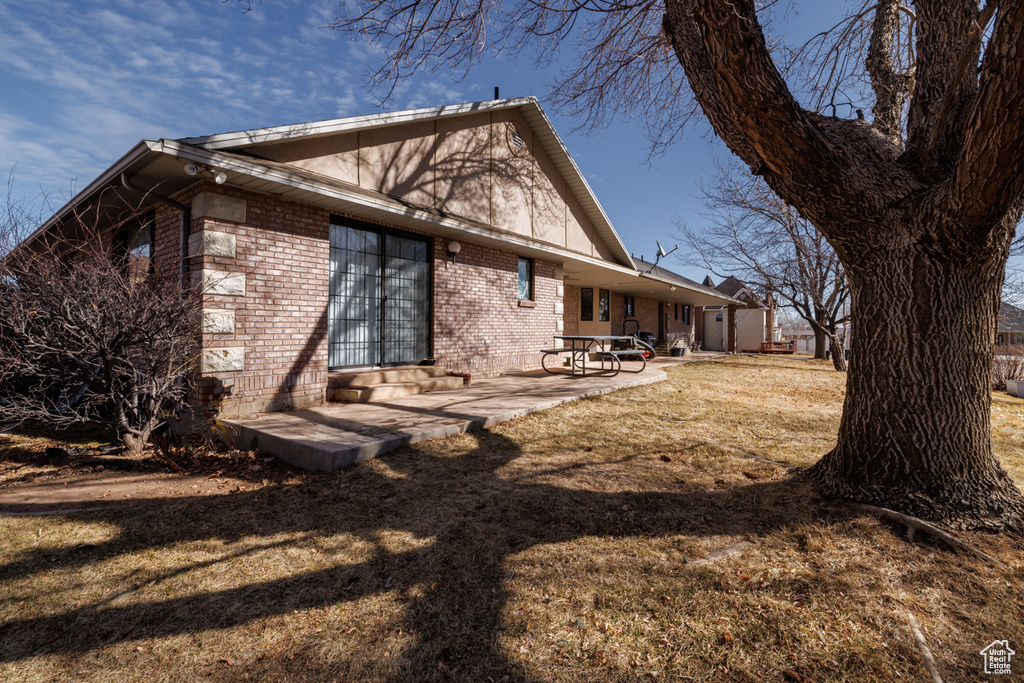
(668, 276)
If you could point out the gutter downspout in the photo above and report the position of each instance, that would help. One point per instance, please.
(186, 220)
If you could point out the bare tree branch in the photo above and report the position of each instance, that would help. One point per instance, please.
(90, 331)
(762, 241)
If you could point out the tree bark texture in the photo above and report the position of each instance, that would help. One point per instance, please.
(923, 236)
(838, 353)
(916, 430)
(819, 343)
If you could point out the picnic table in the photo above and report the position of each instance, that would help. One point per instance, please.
(580, 347)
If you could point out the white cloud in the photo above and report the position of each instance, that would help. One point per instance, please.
(96, 76)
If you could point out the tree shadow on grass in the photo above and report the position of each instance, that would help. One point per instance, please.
(466, 520)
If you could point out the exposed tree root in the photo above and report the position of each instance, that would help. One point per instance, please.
(926, 653)
(915, 524)
(987, 500)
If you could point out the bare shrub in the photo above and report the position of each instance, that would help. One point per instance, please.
(1008, 364)
(91, 332)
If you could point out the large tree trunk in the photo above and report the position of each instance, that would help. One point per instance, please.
(838, 352)
(922, 229)
(820, 343)
(915, 433)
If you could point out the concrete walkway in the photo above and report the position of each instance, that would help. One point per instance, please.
(335, 435)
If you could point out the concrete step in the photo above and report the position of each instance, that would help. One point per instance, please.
(391, 390)
(365, 378)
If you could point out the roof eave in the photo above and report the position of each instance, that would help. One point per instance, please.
(254, 169)
(695, 289)
(258, 136)
(530, 108)
(145, 148)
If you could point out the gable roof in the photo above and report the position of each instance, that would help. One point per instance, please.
(1011, 318)
(528, 107)
(731, 286)
(158, 169)
(734, 287)
(159, 164)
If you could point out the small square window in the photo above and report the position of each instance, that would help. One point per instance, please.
(718, 317)
(526, 279)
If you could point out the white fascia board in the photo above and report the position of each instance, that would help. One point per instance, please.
(575, 172)
(316, 128)
(549, 138)
(112, 174)
(257, 170)
(703, 290)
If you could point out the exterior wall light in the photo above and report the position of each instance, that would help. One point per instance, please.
(453, 249)
(219, 177)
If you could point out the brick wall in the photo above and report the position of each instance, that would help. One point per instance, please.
(571, 318)
(167, 239)
(480, 325)
(647, 314)
(280, 321)
(266, 264)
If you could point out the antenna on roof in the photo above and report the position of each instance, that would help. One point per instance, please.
(660, 255)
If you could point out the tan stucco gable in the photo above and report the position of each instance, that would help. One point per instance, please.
(496, 165)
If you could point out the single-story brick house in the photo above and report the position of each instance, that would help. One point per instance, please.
(462, 233)
(1011, 325)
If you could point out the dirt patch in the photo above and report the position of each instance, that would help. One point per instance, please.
(43, 471)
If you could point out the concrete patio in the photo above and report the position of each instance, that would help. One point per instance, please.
(338, 434)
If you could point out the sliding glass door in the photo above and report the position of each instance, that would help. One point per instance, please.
(379, 309)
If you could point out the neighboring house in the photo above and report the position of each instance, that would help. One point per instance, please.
(1010, 329)
(804, 337)
(736, 328)
(464, 233)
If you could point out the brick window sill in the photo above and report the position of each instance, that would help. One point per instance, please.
(524, 303)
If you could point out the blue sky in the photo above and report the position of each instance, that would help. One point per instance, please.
(81, 82)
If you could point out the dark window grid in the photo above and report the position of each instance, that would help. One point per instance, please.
(587, 303)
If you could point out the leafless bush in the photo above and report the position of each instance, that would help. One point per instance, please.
(91, 332)
(1008, 364)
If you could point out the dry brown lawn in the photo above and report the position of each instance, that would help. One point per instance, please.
(646, 535)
